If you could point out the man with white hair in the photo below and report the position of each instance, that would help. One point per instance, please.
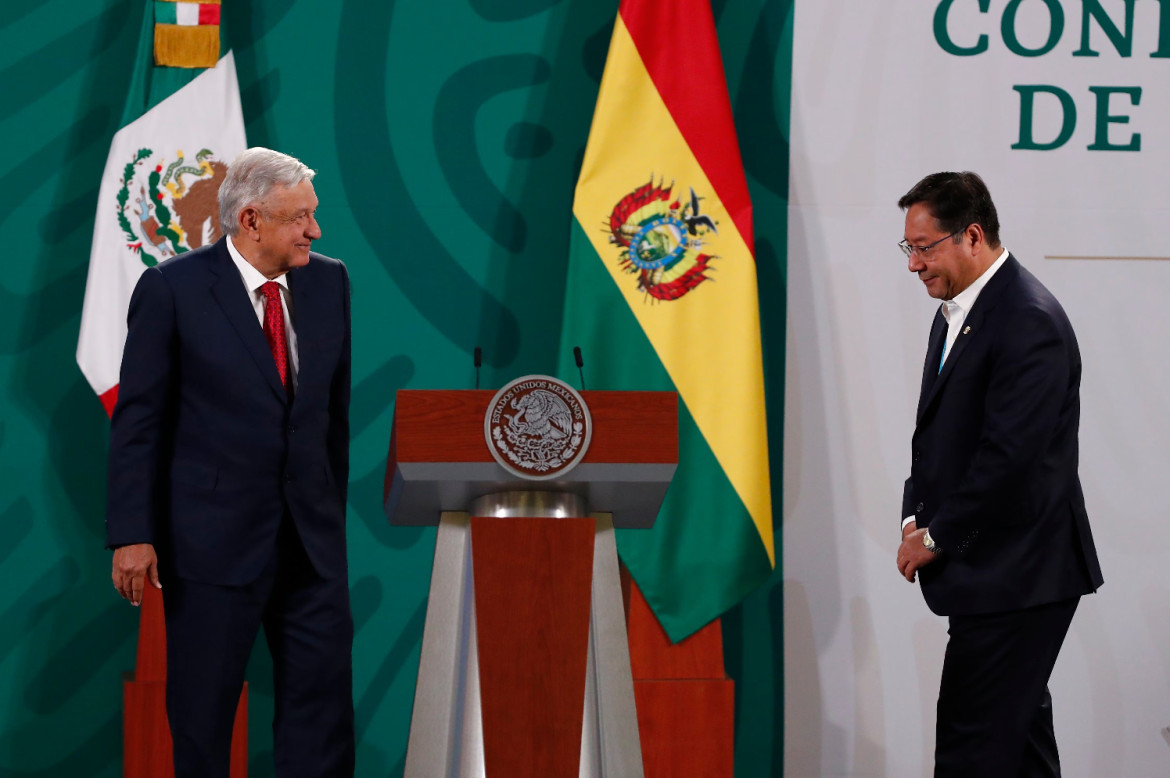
(228, 465)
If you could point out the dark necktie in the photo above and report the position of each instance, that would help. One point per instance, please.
(935, 350)
(274, 331)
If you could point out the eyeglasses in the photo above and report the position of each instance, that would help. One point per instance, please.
(908, 249)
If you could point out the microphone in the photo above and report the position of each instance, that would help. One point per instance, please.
(580, 365)
(478, 357)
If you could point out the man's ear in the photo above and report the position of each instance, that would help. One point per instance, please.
(250, 222)
(975, 238)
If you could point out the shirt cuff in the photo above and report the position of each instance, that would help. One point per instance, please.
(907, 520)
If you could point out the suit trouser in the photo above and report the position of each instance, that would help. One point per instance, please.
(210, 633)
(994, 709)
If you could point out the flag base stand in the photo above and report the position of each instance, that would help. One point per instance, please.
(146, 733)
(686, 703)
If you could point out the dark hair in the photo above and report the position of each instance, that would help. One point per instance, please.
(956, 200)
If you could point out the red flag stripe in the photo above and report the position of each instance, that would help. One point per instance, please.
(208, 13)
(680, 49)
(109, 399)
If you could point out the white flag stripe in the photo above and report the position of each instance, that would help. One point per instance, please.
(187, 14)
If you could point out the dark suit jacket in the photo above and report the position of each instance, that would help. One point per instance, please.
(994, 473)
(206, 452)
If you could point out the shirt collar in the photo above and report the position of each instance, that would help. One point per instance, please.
(965, 300)
(253, 278)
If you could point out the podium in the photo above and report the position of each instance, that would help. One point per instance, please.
(525, 666)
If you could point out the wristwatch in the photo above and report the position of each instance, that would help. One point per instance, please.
(928, 541)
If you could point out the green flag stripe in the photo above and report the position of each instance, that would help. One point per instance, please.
(704, 553)
(165, 13)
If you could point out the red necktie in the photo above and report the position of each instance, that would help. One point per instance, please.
(274, 330)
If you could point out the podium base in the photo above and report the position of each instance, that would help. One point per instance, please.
(449, 733)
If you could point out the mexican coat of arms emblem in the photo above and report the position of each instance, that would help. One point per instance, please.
(537, 427)
(166, 208)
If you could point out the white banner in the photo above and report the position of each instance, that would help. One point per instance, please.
(1063, 106)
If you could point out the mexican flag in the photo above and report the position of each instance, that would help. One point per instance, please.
(661, 294)
(181, 127)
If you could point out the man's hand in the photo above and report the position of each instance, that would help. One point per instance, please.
(912, 554)
(132, 566)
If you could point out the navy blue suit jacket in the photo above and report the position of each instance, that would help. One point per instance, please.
(207, 454)
(995, 456)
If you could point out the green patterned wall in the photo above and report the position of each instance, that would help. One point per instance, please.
(446, 135)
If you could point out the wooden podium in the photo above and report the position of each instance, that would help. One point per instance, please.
(525, 665)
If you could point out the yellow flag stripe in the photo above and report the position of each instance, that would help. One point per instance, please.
(709, 339)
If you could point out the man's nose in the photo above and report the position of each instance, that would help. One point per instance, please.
(313, 230)
(914, 262)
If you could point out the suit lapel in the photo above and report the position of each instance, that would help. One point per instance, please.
(228, 291)
(972, 327)
(938, 337)
(304, 302)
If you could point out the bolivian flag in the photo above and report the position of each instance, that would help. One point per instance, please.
(662, 295)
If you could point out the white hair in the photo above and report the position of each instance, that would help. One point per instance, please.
(251, 178)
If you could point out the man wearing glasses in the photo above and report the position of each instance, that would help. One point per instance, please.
(994, 522)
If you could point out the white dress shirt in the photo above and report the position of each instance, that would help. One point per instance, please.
(955, 312)
(253, 279)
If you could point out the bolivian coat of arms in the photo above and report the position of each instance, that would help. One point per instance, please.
(661, 238)
(166, 208)
(538, 427)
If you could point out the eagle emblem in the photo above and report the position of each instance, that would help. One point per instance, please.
(168, 208)
(538, 427)
(661, 239)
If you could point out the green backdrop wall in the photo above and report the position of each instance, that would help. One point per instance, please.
(446, 135)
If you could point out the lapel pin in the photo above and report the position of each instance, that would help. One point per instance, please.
(967, 330)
